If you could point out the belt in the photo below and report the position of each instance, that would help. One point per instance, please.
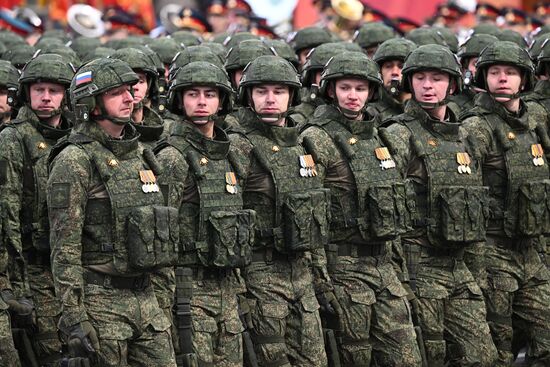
(109, 281)
(269, 255)
(456, 254)
(365, 250)
(201, 273)
(34, 257)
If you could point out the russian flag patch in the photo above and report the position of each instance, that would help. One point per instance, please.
(83, 78)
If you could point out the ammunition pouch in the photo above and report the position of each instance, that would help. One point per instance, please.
(153, 237)
(306, 218)
(464, 213)
(534, 208)
(230, 235)
(390, 209)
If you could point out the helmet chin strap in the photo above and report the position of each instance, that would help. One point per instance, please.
(45, 115)
(349, 114)
(203, 119)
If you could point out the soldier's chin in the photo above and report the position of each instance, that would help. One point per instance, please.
(200, 121)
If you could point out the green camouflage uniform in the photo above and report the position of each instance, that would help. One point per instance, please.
(286, 327)
(450, 306)
(27, 142)
(518, 293)
(194, 182)
(374, 326)
(109, 234)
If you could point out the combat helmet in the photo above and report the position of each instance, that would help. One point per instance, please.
(200, 73)
(269, 70)
(317, 58)
(504, 53)
(427, 36)
(95, 78)
(372, 34)
(244, 53)
(308, 37)
(471, 48)
(432, 57)
(140, 62)
(394, 49)
(543, 60)
(45, 68)
(193, 53)
(350, 65)
(9, 79)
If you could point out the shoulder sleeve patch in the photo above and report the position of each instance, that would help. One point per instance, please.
(3, 171)
(59, 195)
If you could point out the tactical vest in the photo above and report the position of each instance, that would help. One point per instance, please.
(525, 210)
(220, 233)
(454, 206)
(301, 212)
(382, 205)
(34, 212)
(129, 227)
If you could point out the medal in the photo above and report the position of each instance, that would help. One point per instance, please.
(384, 156)
(231, 181)
(463, 160)
(149, 181)
(307, 165)
(537, 152)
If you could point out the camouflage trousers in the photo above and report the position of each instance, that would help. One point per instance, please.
(375, 327)
(451, 310)
(46, 341)
(8, 353)
(518, 300)
(287, 328)
(131, 327)
(216, 326)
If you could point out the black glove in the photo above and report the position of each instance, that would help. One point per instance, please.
(82, 340)
(329, 303)
(21, 309)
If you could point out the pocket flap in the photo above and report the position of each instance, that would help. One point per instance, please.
(309, 303)
(207, 325)
(115, 331)
(274, 310)
(234, 326)
(430, 293)
(363, 298)
(396, 289)
(504, 283)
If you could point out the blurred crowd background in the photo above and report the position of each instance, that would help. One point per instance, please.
(214, 19)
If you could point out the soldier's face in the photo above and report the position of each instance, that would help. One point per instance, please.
(504, 79)
(472, 65)
(118, 102)
(351, 94)
(391, 70)
(4, 106)
(46, 97)
(430, 86)
(270, 99)
(302, 55)
(140, 88)
(201, 102)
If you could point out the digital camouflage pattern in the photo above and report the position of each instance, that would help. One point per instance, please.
(135, 331)
(450, 302)
(373, 34)
(374, 326)
(518, 289)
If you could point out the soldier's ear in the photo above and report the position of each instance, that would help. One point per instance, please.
(330, 90)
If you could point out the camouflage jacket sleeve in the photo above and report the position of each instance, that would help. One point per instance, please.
(71, 177)
(479, 130)
(242, 147)
(11, 196)
(397, 137)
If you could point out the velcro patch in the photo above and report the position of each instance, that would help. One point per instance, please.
(3, 172)
(59, 195)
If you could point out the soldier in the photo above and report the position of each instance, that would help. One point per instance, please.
(306, 39)
(468, 54)
(372, 35)
(514, 167)
(147, 122)
(109, 231)
(280, 185)
(371, 314)
(390, 57)
(26, 143)
(311, 77)
(9, 85)
(432, 150)
(202, 183)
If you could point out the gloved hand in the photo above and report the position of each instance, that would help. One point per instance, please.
(22, 309)
(329, 303)
(75, 362)
(82, 340)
